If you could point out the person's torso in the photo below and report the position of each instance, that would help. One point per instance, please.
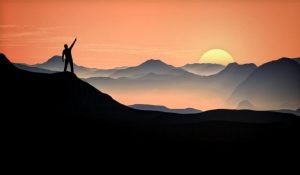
(68, 53)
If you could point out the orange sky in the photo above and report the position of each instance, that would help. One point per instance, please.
(127, 32)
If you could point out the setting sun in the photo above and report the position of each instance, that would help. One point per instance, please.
(216, 56)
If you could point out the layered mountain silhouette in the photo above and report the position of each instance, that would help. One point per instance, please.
(63, 94)
(166, 80)
(231, 76)
(151, 66)
(59, 106)
(218, 84)
(55, 64)
(274, 85)
(147, 107)
(32, 68)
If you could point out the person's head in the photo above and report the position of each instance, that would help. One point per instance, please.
(66, 46)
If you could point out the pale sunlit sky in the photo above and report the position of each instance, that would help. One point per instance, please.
(128, 32)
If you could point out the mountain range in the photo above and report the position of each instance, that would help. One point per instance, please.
(147, 107)
(55, 64)
(196, 84)
(59, 106)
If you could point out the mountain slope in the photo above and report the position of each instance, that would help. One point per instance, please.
(231, 76)
(274, 85)
(55, 95)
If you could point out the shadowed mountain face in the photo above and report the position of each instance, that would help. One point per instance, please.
(274, 85)
(229, 78)
(60, 106)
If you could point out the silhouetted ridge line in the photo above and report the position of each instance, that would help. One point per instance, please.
(59, 96)
(4, 62)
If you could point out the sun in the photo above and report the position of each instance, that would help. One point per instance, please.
(216, 56)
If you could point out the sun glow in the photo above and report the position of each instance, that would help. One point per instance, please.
(216, 56)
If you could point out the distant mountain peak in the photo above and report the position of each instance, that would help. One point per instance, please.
(288, 58)
(235, 65)
(54, 59)
(281, 62)
(154, 62)
(245, 104)
(232, 64)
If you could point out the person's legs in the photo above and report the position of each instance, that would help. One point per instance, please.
(71, 64)
(66, 65)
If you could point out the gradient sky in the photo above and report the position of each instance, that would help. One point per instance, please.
(127, 32)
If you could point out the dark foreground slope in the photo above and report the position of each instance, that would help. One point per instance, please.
(60, 107)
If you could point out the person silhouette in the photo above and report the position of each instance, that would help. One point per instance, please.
(67, 53)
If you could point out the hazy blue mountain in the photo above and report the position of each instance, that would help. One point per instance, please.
(32, 69)
(149, 66)
(55, 64)
(177, 81)
(245, 105)
(235, 72)
(203, 69)
(273, 85)
(148, 107)
(231, 76)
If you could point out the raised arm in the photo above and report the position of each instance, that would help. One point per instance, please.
(73, 43)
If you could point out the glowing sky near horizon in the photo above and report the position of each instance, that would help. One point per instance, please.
(127, 32)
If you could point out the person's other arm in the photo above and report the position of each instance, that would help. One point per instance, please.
(73, 43)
